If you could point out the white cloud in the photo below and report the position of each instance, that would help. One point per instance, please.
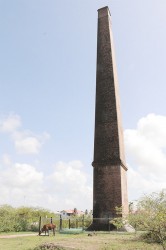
(29, 145)
(153, 126)
(68, 173)
(71, 183)
(19, 181)
(146, 149)
(25, 141)
(6, 159)
(21, 176)
(67, 186)
(10, 123)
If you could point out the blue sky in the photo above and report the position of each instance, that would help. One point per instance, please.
(47, 98)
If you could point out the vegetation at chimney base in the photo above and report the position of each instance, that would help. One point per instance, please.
(149, 217)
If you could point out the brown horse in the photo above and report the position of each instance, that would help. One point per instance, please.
(48, 227)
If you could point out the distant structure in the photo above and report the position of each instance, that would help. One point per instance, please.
(71, 212)
(109, 176)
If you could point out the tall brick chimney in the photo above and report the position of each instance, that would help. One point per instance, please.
(109, 176)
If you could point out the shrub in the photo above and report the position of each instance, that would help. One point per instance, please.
(50, 246)
(151, 217)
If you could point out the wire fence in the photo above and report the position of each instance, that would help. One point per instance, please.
(70, 225)
(77, 224)
(66, 223)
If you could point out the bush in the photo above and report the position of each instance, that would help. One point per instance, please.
(150, 237)
(50, 246)
(151, 217)
(34, 228)
(21, 219)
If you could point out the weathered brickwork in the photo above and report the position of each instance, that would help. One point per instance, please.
(107, 192)
(110, 182)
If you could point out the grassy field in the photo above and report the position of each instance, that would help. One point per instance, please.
(100, 241)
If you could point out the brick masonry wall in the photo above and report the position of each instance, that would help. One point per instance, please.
(110, 182)
(108, 126)
(107, 191)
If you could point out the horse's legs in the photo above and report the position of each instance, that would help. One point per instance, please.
(53, 231)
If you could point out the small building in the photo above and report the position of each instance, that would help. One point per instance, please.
(71, 212)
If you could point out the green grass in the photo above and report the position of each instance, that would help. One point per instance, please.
(15, 233)
(101, 241)
(23, 243)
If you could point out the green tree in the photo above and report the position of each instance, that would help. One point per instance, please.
(151, 217)
(7, 218)
(75, 212)
(22, 218)
(86, 212)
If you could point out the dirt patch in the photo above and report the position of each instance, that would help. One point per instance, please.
(16, 235)
(52, 246)
(76, 242)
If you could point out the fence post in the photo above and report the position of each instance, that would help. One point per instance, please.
(51, 220)
(83, 223)
(69, 223)
(108, 223)
(39, 224)
(60, 226)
